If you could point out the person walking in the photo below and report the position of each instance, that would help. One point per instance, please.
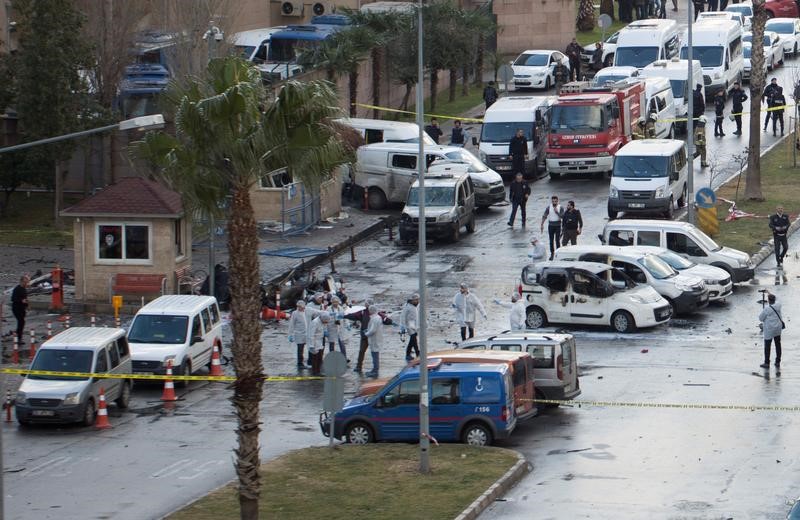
(571, 224)
(434, 131)
(298, 327)
(719, 113)
(364, 341)
(409, 318)
(518, 150)
(317, 334)
(516, 318)
(700, 139)
(573, 52)
(772, 326)
(466, 304)
(538, 251)
(552, 214)
(698, 102)
(518, 193)
(738, 97)
(767, 97)
(779, 224)
(560, 75)
(778, 105)
(490, 94)
(374, 336)
(19, 305)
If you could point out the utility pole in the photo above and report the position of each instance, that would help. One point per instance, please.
(424, 417)
(213, 35)
(690, 119)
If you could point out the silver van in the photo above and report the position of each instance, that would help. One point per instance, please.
(68, 399)
(555, 360)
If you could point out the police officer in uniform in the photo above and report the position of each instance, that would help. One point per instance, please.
(700, 140)
(738, 97)
(561, 75)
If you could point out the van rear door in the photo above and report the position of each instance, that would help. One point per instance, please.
(568, 373)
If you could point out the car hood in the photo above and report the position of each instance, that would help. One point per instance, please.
(413, 211)
(525, 69)
(691, 280)
(639, 184)
(739, 256)
(153, 351)
(50, 388)
(707, 272)
(646, 293)
(489, 176)
(356, 402)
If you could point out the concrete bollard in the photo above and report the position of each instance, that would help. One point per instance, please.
(366, 199)
(33, 344)
(66, 322)
(15, 353)
(92, 320)
(352, 254)
(49, 329)
(330, 258)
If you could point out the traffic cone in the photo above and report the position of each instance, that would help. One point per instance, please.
(8, 406)
(101, 423)
(267, 314)
(216, 368)
(169, 386)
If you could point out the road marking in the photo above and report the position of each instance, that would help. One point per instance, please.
(173, 468)
(49, 465)
(202, 468)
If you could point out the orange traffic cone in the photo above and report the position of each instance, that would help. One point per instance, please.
(101, 423)
(216, 368)
(169, 386)
(270, 314)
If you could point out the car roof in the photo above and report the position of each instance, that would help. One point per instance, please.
(454, 368)
(177, 304)
(517, 102)
(534, 335)
(381, 124)
(647, 223)
(84, 337)
(652, 147)
(537, 51)
(409, 147)
(255, 36)
(592, 267)
(458, 354)
(440, 180)
(620, 251)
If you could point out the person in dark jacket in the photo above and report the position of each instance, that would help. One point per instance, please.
(459, 136)
(698, 102)
(573, 52)
(779, 224)
(597, 56)
(489, 94)
(698, 8)
(434, 131)
(778, 103)
(768, 96)
(719, 111)
(738, 97)
(19, 305)
(364, 343)
(561, 75)
(571, 225)
(518, 150)
(518, 193)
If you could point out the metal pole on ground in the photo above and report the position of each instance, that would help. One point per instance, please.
(690, 119)
(212, 36)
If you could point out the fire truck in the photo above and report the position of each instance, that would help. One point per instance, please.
(589, 124)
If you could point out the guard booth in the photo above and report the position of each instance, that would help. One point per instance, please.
(130, 239)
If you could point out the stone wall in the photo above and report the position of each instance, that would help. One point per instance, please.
(534, 24)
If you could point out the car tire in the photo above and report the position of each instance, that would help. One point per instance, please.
(555, 176)
(547, 83)
(185, 369)
(124, 399)
(471, 224)
(612, 214)
(358, 433)
(455, 236)
(89, 413)
(682, 199)
(476, 434)
(376, 198)
(670, 213)
(794, 52)
(622, 321)
(404, 238)
(671, 306)
(725, 268)
(535, 317)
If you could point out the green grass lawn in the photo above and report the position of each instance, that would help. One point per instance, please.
(779, 184)
(364, 483)
(30, 221)
(444, 107)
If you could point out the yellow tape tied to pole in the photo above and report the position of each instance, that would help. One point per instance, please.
(150, 377)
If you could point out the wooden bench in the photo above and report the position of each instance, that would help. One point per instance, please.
(138, 283)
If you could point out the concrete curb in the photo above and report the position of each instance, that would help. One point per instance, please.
(499, 488)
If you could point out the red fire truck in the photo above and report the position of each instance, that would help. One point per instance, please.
(589, 125)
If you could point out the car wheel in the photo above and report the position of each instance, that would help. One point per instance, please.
(794, 52)
(184, 370)
(671, 306)
(555, 176)
(622, 321)
(726, 269)
(682, 200)
(404, 238)
(376, 198)
(670, 213)
(358, 433)
(611, 213)
(471, 224)
(124, 398)
(535, 317)
(547, 83)
(88, 413)
(476, 434)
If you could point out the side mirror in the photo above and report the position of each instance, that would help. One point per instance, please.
(387, 401)
(474, 141)
(600, 237)
(196, 339)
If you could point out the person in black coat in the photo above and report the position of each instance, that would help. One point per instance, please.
(518, 150)
(777, 105)
(768, 95)
(518, 193)
(719, 111)
(738, 97)
(433, 130)
(779, 224)
(489, 94)
(19, 305)
(699, 103)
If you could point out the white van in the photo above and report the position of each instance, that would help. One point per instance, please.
(658, 96)
(722, 15)
(676, 70)
(555, 360)
(649, 175)
(60, 399)
(686, 293)
(253, 46)
(380, 131)
(717, 44)
(449, 208)
(682, 238)
(500, 124)
(387, 171)
(182, 329)
(642, 42)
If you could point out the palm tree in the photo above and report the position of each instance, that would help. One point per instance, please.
(752, 186)
(585, 19)
(227, 134)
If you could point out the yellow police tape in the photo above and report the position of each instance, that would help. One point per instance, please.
(623, 404)
(151, 377)
(398, 111)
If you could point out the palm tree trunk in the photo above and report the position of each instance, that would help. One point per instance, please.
(377, 63)
(245, 307)
(465, 80)
(406, 97)
(752, 186)
(434, 88)
(330, 75)
(479, 60)
(353, 86)
(451, 95)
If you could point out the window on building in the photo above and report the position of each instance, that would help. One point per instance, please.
(276, 179)
(123, 242)
(178, 237)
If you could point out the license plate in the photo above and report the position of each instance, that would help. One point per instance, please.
(501, 167)
(577, 163)
(635, 205)
(44, 413)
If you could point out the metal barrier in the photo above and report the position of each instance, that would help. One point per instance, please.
(299, 209)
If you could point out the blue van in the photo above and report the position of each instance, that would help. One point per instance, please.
(469, 402)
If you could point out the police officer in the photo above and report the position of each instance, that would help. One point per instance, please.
(738, 97)
(561, 75)
(700, 140)
(489, 94)
(778, 103)
(518, 150)
(768, 96)
(698, 102)
(719, 110)
(779, 224)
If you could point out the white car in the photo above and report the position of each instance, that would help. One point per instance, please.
(722, 15)
(747, 68)
(535, 69)
(613, 74)
(609, 47)
(773, 48)
(717, 280)
(746, 10)
(789, 31)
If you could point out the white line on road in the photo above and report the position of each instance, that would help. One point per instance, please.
(173, 468)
